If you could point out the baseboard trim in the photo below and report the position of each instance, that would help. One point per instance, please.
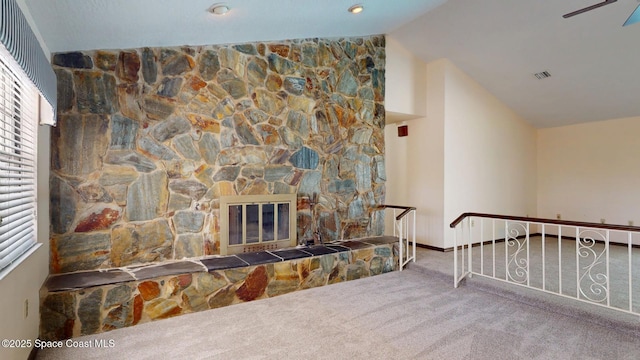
(429, 247)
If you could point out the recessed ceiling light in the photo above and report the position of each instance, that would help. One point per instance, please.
(219, 9)
(355, 9)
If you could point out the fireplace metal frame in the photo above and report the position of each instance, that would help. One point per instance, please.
(246, 200)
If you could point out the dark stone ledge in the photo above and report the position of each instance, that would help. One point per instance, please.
(319, 250)
(355, 245)
(338, 248)
(290, 254)
(257, 258)
(86, 279)
(173, 268)
(223, 262)
(381, 240)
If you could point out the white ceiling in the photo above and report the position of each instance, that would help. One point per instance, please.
(116, 24)
(594, 62)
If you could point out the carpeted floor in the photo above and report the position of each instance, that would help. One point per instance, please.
(413, 314)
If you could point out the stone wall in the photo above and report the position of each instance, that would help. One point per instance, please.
(149, 139)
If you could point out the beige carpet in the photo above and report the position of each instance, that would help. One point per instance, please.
(414, 314)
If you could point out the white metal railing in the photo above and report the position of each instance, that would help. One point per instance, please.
(587, 262)
(405, 231)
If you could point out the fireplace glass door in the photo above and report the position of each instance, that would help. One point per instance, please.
(255, 223)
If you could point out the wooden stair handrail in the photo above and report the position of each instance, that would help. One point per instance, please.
(407, 209)
(546, 221)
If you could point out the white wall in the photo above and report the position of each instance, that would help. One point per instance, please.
(489, 154)
(470, 153)
(414, 164)
(415, 176)
(590, 171)
(23, 283)
(404, 81)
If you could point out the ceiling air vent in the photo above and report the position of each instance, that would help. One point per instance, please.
(542, 75)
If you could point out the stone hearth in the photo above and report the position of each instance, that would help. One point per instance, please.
(90, 302)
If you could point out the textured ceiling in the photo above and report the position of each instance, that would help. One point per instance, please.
(500, 43)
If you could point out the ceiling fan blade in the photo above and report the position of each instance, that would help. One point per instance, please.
(588, 8)
(634, 17)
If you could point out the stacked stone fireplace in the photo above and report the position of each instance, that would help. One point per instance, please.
(149, 140)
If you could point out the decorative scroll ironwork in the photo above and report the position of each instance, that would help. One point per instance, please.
(585, 269)
(593, 281)
(516, 248)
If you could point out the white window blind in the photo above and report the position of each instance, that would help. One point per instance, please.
(18, 112)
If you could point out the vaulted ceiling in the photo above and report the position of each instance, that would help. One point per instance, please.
(594, 62)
